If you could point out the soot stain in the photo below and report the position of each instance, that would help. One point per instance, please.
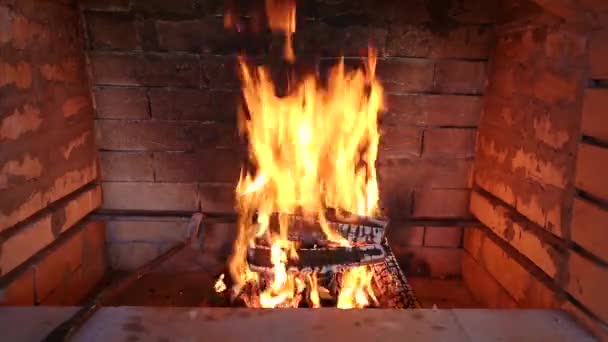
(209, 317)
(417, 315)
(357, 324)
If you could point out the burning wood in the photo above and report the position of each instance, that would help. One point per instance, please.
(314, 148)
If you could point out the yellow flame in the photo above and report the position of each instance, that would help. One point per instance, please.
(356, 288)
(282, 18)
(314, 148)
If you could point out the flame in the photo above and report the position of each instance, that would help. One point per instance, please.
(312, 149)
(356, 289)
(282, 18)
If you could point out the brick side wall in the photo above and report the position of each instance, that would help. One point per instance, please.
(48, 156)
(537, 183)
(166, 94)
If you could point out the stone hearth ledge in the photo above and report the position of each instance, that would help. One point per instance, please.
(226, 324)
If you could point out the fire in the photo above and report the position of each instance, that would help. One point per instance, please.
(312, 149)
(357, 289)
(282, 18)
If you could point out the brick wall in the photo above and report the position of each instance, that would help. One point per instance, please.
(166, 94)
(48, 160)
(536, 178)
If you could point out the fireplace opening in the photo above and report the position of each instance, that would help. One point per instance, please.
(201, 158)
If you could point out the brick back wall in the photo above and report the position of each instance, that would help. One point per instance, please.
(166, 94)
(48, 157)
(536, 177)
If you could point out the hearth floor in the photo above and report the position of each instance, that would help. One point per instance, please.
(196, 289)
(224, 324)
(443, 293)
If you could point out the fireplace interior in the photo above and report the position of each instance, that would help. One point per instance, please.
(122, 154)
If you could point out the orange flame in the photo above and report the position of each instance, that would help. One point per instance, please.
(314, 148)
(282, 18)
(356, 289)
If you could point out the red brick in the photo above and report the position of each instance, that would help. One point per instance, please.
(26, 242)
(69, 71)
(20, 291)
(126, 166)
(429, 261)
(70, 291)
(401, 237)
(121, 103)
(164, 7)
(594, 117)
(150, 230)
(590, 160)
(405, 75)
(200, 35)
(47, 190)
(395, 188)
(19, 74)
(27, 168)
(129, 256)
(77, 208)
(112, 30)
(541, 204)
(150, 196)
(420, 41)
(194, 104)
(441, 203)
(114, 5)
(220, 72)
(424, 173)
(522, 237)
(94, 262)
(449, 293)
(524, 287)
(587, 283)
(20, 121)
(157, 135)
(598, 54)
(57, 264)
(216, 198)
(443, 236)
(453, 142)
(149, 69)
(319, 38)
(588, 229)
(433, 110)
(210, 165)
(220, 239)
(41, 232)
(524, 160)
(76, 105)
(460, 77)
(483, 286)
(396, 141)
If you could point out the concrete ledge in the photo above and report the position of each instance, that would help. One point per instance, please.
(225, 324)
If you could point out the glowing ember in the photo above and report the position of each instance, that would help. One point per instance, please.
(313, 149)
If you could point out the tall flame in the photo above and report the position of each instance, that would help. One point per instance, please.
(282, 18)
(312, 149)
